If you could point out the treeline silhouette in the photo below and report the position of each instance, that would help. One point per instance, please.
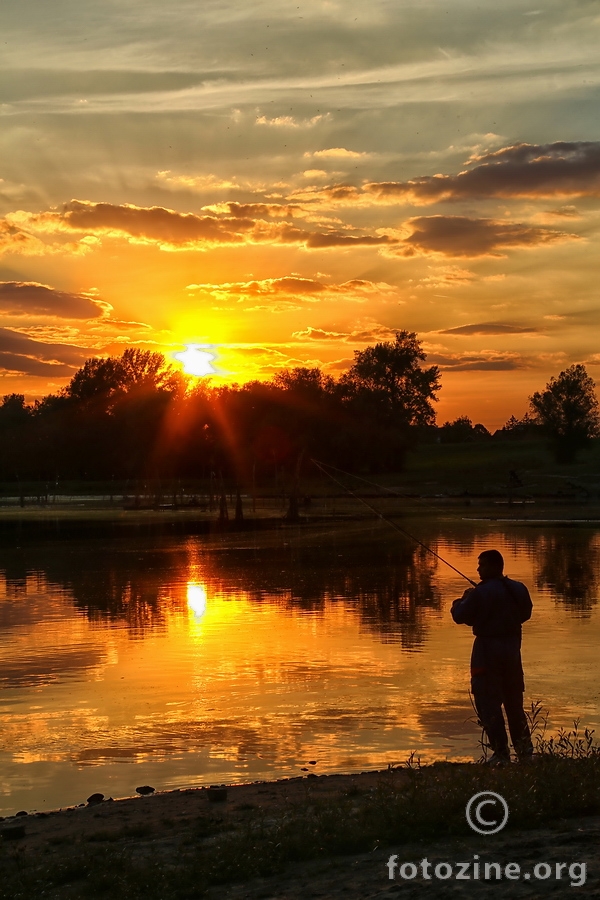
(134, 418)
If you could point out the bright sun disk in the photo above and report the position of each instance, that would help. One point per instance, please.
(195, 361)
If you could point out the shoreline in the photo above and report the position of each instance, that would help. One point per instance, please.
(161, 834)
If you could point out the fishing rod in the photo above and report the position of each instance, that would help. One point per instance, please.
(396, 527)
(380, 487)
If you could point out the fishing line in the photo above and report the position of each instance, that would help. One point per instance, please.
(392, 491)
(380, 515)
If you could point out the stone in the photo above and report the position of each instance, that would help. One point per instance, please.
(145, 790)
(95, 798)
(22, 812)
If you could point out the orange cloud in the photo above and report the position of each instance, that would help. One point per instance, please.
(448, 276)
(307, 289)
(337, 153)
(368, 334)
(14, 240)
(291, 122)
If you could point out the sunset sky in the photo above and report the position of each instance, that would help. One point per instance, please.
(288, 182)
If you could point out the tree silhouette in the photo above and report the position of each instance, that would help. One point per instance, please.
(462, 430)
(568, 410)
(389, 377)
(134, 418)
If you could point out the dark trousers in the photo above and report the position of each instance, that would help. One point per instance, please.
(497, 682)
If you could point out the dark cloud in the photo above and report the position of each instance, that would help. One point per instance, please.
(561, 169)
(457, 236)
(20, 353)
(490, 328)
(14, 363)
(175, 230)
(344, 194)
(483, 362)
(30, 298)
(155, 223)
(334, 239)
(255, 210)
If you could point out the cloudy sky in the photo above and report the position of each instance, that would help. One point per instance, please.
(292, 181)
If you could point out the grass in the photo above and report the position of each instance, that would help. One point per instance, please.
(410, 803)
(478, 467)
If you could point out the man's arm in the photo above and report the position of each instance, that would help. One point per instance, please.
(464, 610)
(522, 597)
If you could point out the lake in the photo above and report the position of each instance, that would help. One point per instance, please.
(179, 661)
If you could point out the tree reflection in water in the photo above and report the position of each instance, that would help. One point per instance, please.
(568, 565)
(388, 582)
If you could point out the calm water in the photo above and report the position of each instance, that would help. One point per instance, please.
(196, 660)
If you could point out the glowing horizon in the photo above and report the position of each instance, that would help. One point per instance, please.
(294, 184)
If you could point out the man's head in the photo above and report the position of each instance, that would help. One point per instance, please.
(491, 564)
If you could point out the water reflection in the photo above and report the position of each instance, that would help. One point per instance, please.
(204, 659)
(568, 565)
(391, 586)
(197, 599)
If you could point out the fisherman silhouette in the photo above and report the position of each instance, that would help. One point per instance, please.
(496, 609)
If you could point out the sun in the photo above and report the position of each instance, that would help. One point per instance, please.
(195, 361)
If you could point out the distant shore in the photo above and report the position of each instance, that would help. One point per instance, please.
(90, 516)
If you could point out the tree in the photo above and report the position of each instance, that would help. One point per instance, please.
(309, 383)
(569, 412)
(516, 429)
(103, 381)
(462, 430)
(15, 435)
(389, 379)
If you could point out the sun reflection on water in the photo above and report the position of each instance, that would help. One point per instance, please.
(196, 599)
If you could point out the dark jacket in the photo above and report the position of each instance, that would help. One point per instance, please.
(496, 608)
